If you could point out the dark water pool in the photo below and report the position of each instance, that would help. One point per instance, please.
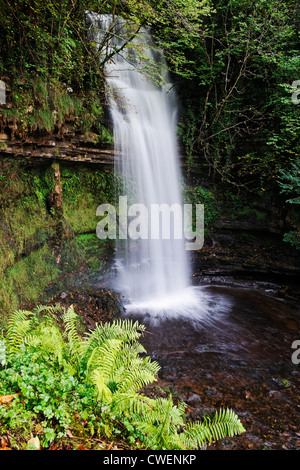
(237, 354)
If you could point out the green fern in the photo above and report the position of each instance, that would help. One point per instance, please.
(49, 339)
(225, 423)
(70, 323)
(19, 325)
(125, 330)
(164, 427)
(38, 329)
(104, 392)
(113, 361)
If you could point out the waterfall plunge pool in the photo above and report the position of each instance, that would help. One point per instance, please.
(234, 348)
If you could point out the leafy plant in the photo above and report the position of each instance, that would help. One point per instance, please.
(290, 181)
(101, 375)
(290, 185)
(196, 194)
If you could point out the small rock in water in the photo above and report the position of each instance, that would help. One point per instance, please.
(282, 383)
(194, 400)
(228, 444)
(212, 392)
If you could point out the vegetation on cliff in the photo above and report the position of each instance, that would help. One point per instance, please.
(39, 244)
(233, 63)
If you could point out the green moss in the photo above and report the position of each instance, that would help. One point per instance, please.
(41, 120)
(91, 249)
(45, 104)
(27, 278)
(83, 191)
(6, 253)
(81, 214)
(30, 259)
(23, 212)
(26, 261)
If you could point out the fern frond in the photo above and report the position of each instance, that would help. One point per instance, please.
(225, 423)
(49, 340)
(104, 356)
(124, 330)
(19, 324)
(141, 373)
(47, 309)
(47, 313)
(35, 328)
(133, 403)
(104, 393)
(132, 375)
(158, 419)
(165, 417)
(74, 340)
(165, 407)
(113, 360)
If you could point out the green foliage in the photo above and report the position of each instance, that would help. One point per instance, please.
(57, 373)
(289, 183)
(177, 26)
(83, 191)
(238, 114)
(45, 105)
(235, 60)
(196, 194)
(26, 228)
(65, 59)
(53, 31)
(293, 238)
(25, 281)
(61, 81)
(224, 423)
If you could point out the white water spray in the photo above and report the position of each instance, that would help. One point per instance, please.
(153, 273)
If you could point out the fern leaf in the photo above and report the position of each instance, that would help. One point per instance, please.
(124, 330)
(19, 324)
(136, 378)
(133, 403)
(98, 380)
(103, 357)
(74, 340)
(225, 423)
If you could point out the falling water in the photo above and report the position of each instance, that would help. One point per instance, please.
(153, 273)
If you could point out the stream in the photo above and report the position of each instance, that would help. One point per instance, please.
(239, 356)
(235, 351)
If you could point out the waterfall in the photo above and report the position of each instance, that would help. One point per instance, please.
(153, 271)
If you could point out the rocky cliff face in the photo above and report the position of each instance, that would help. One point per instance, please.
(72, 148)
